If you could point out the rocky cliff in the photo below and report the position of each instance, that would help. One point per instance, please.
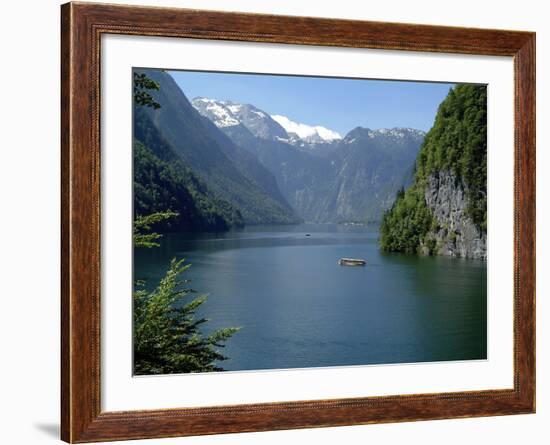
(455, 233)
(444, 211)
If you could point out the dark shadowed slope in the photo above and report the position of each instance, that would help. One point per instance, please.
(163, 182)
(227, 169)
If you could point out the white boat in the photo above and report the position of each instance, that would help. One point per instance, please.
(351, 262)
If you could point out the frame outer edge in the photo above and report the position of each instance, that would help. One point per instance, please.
(525, 84)
(79, 229)
(81, 417)
(66, 92)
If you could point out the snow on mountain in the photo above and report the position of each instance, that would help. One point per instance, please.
(394, 133)
(234, 119)
(225, 113)
(220, 115)
(306, 132)
(397, 132)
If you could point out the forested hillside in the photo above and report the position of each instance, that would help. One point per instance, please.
(160, 186)
(445, 209)
(228, 170)
(162, 181)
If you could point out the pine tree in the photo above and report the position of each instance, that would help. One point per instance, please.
(167, 335)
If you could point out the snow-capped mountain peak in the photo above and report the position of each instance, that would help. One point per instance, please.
(396, 133)
(224, 113)
(306, 132)
(217, 111)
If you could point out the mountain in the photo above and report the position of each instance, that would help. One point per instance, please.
(228, 114)
(444, 211)
(160, 186)
(356, 181)
(323, 177)
(371, 165)
(162, 181)
(228, 170)
(234, 119)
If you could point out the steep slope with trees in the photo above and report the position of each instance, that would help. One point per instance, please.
(444, 211)
(160, 186)
(227, 169)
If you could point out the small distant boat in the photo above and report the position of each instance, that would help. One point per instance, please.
(308, 234)
(351, 262)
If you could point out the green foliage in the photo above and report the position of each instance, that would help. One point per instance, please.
(167, 336)
(163, 181)
(407, 224)
(142, 97)
(456, 143)
(229, 171)
(144, 223)
(160, 185)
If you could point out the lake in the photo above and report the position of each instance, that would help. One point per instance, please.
(298, 308)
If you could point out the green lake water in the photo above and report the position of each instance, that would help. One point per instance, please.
(298, 308)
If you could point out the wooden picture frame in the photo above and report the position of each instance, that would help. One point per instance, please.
(82, 26)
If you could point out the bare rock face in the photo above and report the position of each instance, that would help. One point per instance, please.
(457, 234)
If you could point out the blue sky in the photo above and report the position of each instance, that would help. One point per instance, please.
(337, 104)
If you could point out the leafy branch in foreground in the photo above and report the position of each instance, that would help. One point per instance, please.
(142, 97)
(167, 336)
(145, 223)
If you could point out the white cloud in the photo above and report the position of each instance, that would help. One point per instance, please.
(304, 131)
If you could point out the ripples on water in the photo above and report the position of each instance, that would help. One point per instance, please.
(298, 308)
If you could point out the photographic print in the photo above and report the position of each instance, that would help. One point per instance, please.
(288, 221)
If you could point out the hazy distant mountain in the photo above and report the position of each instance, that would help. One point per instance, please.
(228, 170)
(324, 177)
(371, 166)
(356, 181)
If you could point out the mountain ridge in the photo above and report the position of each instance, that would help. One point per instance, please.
(351, 178)
(228, 169)
(226, 114)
